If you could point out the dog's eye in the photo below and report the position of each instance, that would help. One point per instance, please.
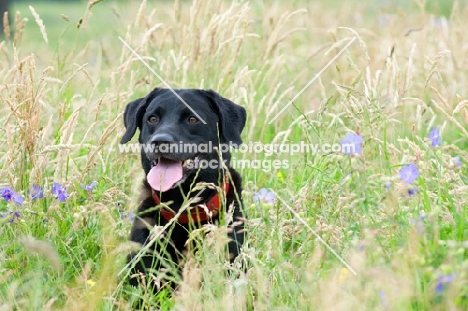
(193, 120)
(153, 119)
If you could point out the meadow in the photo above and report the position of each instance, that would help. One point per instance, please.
(394, 212)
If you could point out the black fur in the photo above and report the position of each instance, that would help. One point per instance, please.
(224, 120)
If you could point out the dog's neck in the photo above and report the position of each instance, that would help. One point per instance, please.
(199, 211)
(187, 190)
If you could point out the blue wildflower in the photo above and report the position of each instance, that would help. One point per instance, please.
(36, 192)
(434, 136)
(90, 187)
(18, 198)
(411, 192)
(388, 185)
(130, 216)
(440, 22)
(60, 192)
(383, 299)
(409, 173)
(7, 193)
(264, 196)
(346, 178)
(443, 281)
(419, 223)
(456, 161)
(15, 215)
(351, 144)
(360, 247)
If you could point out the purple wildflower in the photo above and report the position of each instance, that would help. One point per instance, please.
(443, 281)
(351, 144)
(60, 192)
(440, 22)
(411, 192)
(7, 193)
(388, 185)
(434, 136)
(419, 223)
(456, 161)
(90, 187)
(14, 215)
(360, 247)
(346, 178)
(409, 173)
(264, 196)
(383, 299)
(130, 216)
(36, 192)
(18, 198)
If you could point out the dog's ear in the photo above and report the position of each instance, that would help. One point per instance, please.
(134, 113)
(232, 117)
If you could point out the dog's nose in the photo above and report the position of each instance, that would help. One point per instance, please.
(162, 138)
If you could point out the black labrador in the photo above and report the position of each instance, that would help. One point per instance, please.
(183, 137)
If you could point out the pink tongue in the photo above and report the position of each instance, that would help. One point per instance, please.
(164, 175)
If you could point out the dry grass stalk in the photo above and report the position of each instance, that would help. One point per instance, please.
(84, 20)
(25, 119)
(40, 23)
(108, 132)
(20, 24)
(141, 14)
(45, 249)
(6, 26)
(66, 138)
(446, 114)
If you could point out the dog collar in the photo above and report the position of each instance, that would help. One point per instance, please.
(198, 213)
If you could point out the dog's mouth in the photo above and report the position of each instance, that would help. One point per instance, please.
(166, 174)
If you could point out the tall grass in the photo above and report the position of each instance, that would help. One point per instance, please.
(66, 78)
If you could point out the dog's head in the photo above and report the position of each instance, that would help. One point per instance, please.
(180, 137)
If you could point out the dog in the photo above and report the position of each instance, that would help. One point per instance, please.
(174, 119)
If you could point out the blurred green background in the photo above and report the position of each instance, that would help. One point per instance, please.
(61, 15)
